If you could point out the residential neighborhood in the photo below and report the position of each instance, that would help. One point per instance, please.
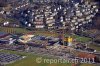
(50, 29)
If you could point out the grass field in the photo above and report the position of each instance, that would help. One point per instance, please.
(87, 65)
(13, 30)
(79, 38)
(2, 20)
(95, 47)
(30, 60)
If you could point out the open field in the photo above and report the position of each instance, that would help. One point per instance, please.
(13, 30)
(88, 65)
(95, 47)
(2, 20)
(79, 38)
(30, 60)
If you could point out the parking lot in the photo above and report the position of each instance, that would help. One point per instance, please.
(6, 58)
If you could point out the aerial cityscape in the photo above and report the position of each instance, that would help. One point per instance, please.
(49, 32)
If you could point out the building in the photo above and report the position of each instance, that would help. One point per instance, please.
(73, 15)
